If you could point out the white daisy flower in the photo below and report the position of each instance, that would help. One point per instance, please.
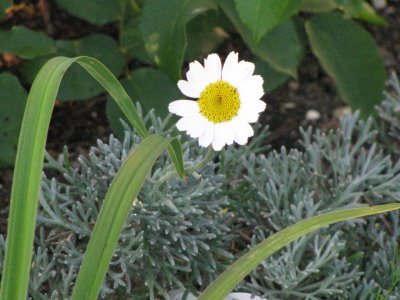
(228, 100)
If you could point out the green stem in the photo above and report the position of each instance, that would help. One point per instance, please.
(201, 164)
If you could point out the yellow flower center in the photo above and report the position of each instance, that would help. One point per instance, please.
(219, 102)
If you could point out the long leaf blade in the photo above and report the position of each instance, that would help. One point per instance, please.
(107, 79)
(228, 280)
(123, 190)
(27, 176)
(29, 163)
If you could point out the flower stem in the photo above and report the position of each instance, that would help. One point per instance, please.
(206, 159)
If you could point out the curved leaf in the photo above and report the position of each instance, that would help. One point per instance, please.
(228, 280)
(282, 48)
(148, 86)
(12, 103)
(351, 57)
(317, 6)
(29, 163)
(77, 84)
(163, 27)
(98, 12)
(112, 217)
(26, 43)
(360, 9)
(261, 16)
(272, 78)
(204, 34)
(132, 42)
(4, 4)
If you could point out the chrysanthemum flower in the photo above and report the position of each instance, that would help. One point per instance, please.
(228, 99)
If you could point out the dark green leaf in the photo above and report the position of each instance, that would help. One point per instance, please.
(361, 10)
(260, 16)
(282, 48)
(367, 13)
(12, 104)
(350, 56)
(317, 6)
(177, 159)
(4, 4)
(151, 88)
(163, 27)
(204, 35)
(132, 41)
(97, 12)
(29, 68)
(78, 84)
(272, 78)
(26, 43)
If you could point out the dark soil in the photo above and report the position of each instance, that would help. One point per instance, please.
(80, 124)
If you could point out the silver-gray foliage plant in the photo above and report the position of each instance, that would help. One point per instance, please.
(184, 233)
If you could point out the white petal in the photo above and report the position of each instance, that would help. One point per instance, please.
(259, 106)
(241, 73)
(218, 140)
(228, 132)
(206, 138)
(219, 136)
(197, 76)
(249, 111)
(212, 66)
(241, 131)
(185, 124)
(189, 89)
(229, 66)
(199, 128)
(248, 115)
(251, 88)
(184, 108)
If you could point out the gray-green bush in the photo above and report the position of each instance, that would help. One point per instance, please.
(183, 233)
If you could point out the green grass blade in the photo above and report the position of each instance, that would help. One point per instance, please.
(107, 79)
(29, 164)
(228, 280)
(114, 88)
(113, 214)
(27, 176)
(175, 153)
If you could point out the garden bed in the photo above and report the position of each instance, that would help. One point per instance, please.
(310, 100)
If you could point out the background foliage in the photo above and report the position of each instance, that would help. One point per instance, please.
(145, 43)
(181, 234)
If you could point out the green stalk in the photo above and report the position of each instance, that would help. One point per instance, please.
(229, 279)
(113, 214)
(26, 181)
